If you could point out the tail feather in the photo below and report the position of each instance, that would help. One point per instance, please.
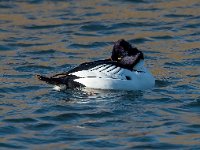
(64, 80)
(51, 80)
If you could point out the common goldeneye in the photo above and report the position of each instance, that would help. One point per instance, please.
(125, 70)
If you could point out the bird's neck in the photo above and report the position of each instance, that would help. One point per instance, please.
(140, 66)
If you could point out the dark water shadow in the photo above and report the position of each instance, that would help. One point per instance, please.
(162, 83)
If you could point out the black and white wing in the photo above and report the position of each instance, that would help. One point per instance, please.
(96, 69)
(100, 69)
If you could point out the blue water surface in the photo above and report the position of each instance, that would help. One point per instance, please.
(48, 37)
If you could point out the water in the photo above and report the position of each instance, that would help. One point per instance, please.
(48, 37)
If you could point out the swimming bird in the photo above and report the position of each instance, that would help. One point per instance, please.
(125, 70)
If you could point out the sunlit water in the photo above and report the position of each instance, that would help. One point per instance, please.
(48, 37)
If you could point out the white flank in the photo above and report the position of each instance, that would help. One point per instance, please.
(111, 77)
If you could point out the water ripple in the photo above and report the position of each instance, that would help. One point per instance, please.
(20, 120)
(48, 37)
(31, 68)
(94, 27)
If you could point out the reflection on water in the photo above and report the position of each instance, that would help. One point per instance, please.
(47, 37)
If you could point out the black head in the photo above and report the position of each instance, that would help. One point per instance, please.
(124, 44)
(121, 49)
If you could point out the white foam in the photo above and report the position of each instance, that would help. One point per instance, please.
(59, 87)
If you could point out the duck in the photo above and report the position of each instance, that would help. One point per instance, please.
(125, 70)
